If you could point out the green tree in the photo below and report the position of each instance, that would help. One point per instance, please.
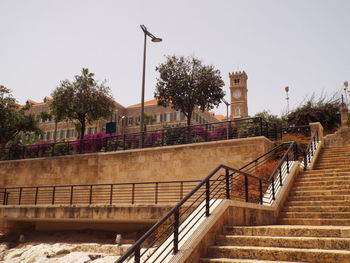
(82, 100)
(267, 116)
(185, 83)
(13, 120)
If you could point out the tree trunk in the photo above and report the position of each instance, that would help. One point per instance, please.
(189, 135)
(55, 134)
(82, 133)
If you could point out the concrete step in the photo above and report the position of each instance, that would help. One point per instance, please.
(289, 230)
(328, 215)
(282, 241)
(314, 221)
(316, 209)
(287, 254)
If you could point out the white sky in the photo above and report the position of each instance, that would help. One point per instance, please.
(301, 44)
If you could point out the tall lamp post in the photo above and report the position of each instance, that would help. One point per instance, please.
(287, 98)
(227, 119)
(154, 39)
(346, 91)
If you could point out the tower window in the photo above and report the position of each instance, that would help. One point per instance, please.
(237, 112)
(236, 81)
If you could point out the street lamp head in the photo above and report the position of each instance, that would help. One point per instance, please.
(156, 39)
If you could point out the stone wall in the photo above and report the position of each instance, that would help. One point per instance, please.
(183, 162)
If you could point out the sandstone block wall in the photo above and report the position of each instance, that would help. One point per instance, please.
(183, 162)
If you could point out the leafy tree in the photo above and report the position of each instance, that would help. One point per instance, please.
(83, 100)
(13, 120)
(324, 110)
(185, 83)
(267, 116)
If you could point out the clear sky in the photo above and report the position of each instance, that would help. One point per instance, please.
(301, 44)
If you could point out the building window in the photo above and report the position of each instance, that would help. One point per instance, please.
(130, 121)
(236, 81)
(178, 116)
(167, 118)
(237, 111)
(158, 118)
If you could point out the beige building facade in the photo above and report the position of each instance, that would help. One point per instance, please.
(126, 120)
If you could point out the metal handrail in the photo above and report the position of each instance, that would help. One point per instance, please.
(311, 149)
(226, 179)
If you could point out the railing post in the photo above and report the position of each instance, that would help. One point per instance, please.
(133, 194)
(206, 132)
(176, 231)
(36, 195)
(20, 196)
(287, 159)
(181, 190)
(280, 175)
(90, 196)
(5, 197)
(227, 177)
(207, 198)
(53, 150)
(261, 193)
(111, 195)
(71, 194)
(124, 142)
(273, 188)
(137, 255)
(156, 194)
(296, 153)
(305, 161)
(246, 189)
(53, 195)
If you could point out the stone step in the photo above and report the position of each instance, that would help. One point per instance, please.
(314, 221)
(324, 171)
(321, 183)
(282, 241)
(318, 192)
(323, 166)
(320, 198)
(273, 253)
(240, 260)
(340, 159)
(328, 215)
(323, 178)
(316, 209)
(319, 176)
(317, 203)
(289, 230)
(321, 187)
(335, 182)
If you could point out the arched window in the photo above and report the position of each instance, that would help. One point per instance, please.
(237, 112)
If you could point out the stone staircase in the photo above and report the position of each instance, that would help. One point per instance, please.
(314, 225)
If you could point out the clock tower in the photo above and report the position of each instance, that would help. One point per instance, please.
(238, 88)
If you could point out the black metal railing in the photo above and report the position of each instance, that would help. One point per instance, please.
(122, 193)
(170, 232)
(311, 149)
(163, 192)
(239, 128)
